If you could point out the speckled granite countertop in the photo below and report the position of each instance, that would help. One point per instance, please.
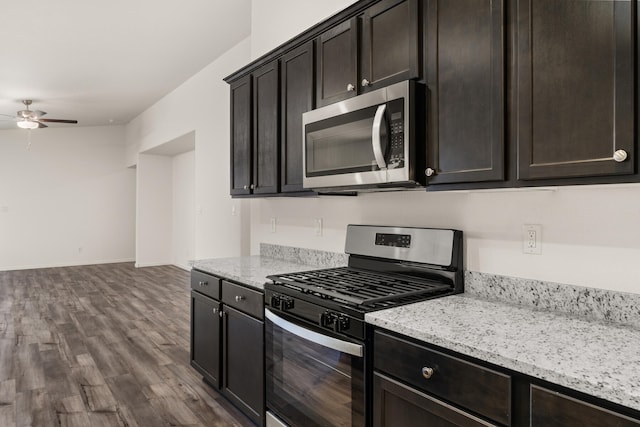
(598, 358)
(273, 259)
(250, 270)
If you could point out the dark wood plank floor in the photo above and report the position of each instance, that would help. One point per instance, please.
(101, 345)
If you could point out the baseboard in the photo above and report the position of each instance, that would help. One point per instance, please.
(151, 264)
(64, 264)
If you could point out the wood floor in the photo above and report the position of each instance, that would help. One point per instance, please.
(101, 345)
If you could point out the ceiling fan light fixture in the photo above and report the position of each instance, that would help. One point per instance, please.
(27, 124)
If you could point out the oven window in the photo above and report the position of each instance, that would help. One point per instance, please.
(309, 384)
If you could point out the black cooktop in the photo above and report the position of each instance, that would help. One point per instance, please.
(361, 288)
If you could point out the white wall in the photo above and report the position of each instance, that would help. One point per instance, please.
(154, 210)
(183, 241)
(68, 200)
(274, 22)
(201, 105)
(590, 234)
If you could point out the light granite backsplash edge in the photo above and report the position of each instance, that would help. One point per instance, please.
(314, 257)
(592, 303)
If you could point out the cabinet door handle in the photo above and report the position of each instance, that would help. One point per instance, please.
(620, 156)
(427, 372)
(350, 87)
(246, 187)
(214, 310)
(252, 186)
(429, 172)
(365, 82)
(240, 298)
(221, 313)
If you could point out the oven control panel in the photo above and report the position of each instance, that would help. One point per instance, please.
(282, 302)
(328, 318)
(395, 240)
(335, 321)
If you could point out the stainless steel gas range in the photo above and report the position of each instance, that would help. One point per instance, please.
(317, 355)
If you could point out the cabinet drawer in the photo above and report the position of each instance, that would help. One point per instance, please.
(205, 284)
(552, 409)
(243, 298)
(481, 390)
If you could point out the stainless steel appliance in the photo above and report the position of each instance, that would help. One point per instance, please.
(316, 340)
(374, 140)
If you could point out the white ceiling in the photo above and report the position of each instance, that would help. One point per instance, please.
(104, 62)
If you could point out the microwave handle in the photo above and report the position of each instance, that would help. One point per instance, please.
(376, 143)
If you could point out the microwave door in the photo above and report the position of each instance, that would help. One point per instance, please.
(339, 151)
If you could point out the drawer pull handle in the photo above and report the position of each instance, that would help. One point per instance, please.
(201, 283)
(427, 372)
(239, 298)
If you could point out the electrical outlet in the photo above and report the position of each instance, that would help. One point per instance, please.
(532, 239)
(318, 224)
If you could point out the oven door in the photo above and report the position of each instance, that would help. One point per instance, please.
(312, 378)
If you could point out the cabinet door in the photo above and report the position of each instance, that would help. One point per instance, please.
(205, 337)
(390, 44)
(244, 362)
(465, 45)
(396, 404)
(552, 409)
(297, 98)
(575, 105)
(241, 140)
(336, 63)
(266, 129)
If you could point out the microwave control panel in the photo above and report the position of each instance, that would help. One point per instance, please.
(396, 137)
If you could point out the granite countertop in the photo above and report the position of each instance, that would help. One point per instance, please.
(595, 357)
(250, 270)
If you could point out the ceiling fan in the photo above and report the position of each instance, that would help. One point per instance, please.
(32, 119)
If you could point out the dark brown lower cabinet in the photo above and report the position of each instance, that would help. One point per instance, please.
(205, 337)
(417, 384)
(244, 362)
(553, 409)
(227, 340)
(474, 388)
(396, 404)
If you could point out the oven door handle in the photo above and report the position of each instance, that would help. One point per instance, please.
(324, 340)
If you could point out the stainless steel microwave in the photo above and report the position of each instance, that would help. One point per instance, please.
(371, 141)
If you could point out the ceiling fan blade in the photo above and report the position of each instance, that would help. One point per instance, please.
(57, 121)
(42, 125)
(7, 115)
(38, 113)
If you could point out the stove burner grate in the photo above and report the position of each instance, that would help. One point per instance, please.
(360, 287)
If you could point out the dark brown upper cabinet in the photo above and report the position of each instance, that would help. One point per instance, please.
(336, 63)
(380, 47)
(241, 136)
(255, 132)
(266, 134)
(464, 42)
(575, 88)
(390, 44)
(296, 94)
